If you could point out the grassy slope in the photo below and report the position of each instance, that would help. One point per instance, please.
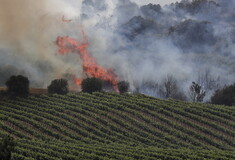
(112, 126)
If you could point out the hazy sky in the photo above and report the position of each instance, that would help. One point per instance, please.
(162, 2)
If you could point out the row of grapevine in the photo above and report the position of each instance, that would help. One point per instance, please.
(116, 126)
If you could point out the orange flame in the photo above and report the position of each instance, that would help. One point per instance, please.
(78, 82)
(90, 67)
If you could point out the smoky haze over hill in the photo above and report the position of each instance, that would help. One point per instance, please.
(189, 40)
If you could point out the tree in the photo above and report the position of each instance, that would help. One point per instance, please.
(17, 86)
(225, 96)
(196, 92)
(7, 146)
(170, 89)
(208, 81)
(58, 86)
(91, 85)
(123, 86)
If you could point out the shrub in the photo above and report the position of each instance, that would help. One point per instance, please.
(91, 85)
(58, 86)
(123, 86)
(17, 86)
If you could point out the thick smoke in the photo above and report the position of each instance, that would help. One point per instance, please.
(28, 30)
(190, 40)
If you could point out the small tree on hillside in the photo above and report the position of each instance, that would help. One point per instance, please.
(208, 81)
(226, 96)
(91, 85)
(58, 86)
(17, 86)
(196, 92)
(170, 89)
(123, 86)
(7, 146)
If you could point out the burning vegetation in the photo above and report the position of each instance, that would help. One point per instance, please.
(90, 67)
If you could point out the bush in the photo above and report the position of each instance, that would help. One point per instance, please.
(7, 146)
(17, 86)
(58, 86)
(91, 85)
(123, 86)
(226, 96)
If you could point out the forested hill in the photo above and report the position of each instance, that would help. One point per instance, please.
(116, 126)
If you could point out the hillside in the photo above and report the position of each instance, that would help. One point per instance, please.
(113, 126)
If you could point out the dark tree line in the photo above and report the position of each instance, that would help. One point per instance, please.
(18, 86)
(225, 96)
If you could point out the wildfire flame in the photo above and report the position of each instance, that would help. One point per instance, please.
(90, 66)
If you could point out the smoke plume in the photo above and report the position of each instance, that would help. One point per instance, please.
(28, 31)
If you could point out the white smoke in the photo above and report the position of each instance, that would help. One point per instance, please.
(28, 30)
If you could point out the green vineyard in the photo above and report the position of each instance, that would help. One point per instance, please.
(116, 126)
